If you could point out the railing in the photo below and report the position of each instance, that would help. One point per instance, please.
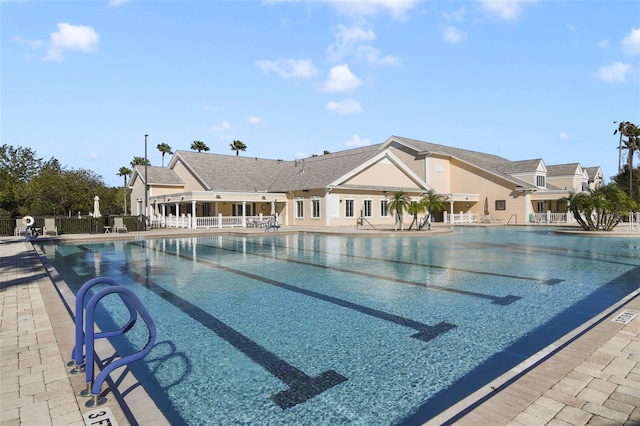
(513, 216)
(85, 335)
(460, 217)
(548, 217)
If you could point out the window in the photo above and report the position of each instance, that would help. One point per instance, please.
(315, 209)
(501, 204)
(540, 207)
(384, 208)
(367, 208)
(585, 186)
(348, 208)
(299, 209)
(541, 181)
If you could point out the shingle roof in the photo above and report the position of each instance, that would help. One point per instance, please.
(493, 163)
(159, 175)
(229, 172)
(562, 169)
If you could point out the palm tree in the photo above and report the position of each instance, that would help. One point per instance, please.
(414, 209)
(433, 202)
(139, 161)
(632, 132)
(621, 125)
(124, 172)
(399, 203)
(199, 146)
(238, 146)
(164, 149)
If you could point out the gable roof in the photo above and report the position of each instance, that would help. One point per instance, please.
(229, 172)
(564, 169)
(156, 176)
(494, 164)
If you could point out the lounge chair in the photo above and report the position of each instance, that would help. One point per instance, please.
(50, 227)
(118, 225)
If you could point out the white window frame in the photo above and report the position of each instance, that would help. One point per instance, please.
(349, 207)
(384, 207)
(541, 181)
(315, 208)
(299, 208)
(367, 207)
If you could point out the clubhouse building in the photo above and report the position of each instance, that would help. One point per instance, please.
(346, 188)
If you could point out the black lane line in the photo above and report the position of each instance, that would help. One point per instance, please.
(550, 281)
(425, 332)
(502, 301)
(301, 386)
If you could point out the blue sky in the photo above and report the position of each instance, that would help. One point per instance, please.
(85, 81)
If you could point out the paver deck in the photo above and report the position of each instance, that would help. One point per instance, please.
(591, 376)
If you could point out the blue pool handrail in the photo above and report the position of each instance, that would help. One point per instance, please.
(127, 296)
(77, 355)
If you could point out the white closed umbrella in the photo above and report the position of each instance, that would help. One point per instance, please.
(96, 207)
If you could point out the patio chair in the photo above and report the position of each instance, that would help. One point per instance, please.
(272, 224)
(50, 227)
(118, 225)
(18, 231)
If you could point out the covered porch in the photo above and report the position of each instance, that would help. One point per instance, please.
(208, 209)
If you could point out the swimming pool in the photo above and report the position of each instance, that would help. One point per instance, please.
(324, 329)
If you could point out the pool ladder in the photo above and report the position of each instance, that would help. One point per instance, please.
(86, 338)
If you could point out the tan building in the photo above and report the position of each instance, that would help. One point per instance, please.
(202, 190)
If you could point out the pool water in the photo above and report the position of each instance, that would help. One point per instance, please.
(328, 330)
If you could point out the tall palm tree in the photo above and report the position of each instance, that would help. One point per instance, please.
(399, 203)
(632, 132)
(621, 125)
(433, 202)
(199, 146)
(238, 146)
(164, 149)
(124, 172)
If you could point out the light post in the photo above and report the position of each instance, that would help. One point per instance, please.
(146, 184)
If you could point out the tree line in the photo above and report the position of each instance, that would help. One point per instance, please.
(33, 185)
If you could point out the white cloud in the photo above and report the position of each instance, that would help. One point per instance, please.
(357, 141)
(564, 136)
(34, 44)
(221, 127)
(397, 8)
(354, 41)
(341, 79)
(631, 43)
(301, 154)
(348, 106)
(453, 35)
(603, 44)
(347, 40)
(371, 55)
(456, 16)
(116, 3)
(614, 73)
(254, 120)
(289, 68)
(508, 10)
(71, 38)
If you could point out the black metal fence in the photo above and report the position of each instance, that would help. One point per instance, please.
(70, 225)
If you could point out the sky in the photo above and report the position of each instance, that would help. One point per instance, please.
(85, 81)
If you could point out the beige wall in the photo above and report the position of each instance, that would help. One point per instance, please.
(382, 174)
(190, 182)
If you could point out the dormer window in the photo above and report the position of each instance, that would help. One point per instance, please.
(541, 181)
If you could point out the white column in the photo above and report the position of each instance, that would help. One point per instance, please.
(244, 214)
(527, 206)
(193, 214)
